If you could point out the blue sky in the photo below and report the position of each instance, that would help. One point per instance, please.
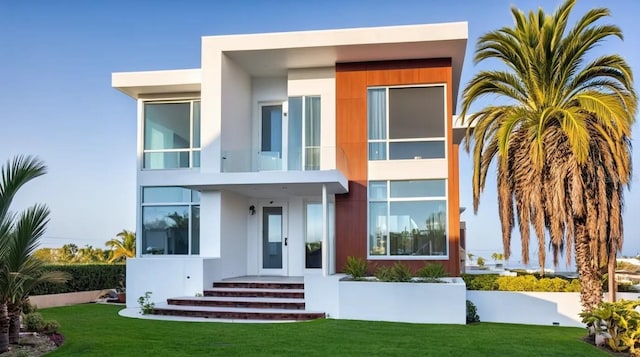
(56, 100)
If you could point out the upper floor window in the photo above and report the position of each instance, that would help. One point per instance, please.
(170, 221)
(304, 133)
(406, 123)
(171, 134)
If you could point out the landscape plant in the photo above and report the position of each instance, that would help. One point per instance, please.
(356, 267)
(558, 131)
(20, 236)
(432, 272)
(472, 312)
(620, 321)
(146, 305)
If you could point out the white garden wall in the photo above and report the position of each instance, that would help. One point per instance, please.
(532, 308)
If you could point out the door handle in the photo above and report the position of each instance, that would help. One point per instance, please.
(286, 242)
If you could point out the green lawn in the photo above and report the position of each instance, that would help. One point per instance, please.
(97, 330)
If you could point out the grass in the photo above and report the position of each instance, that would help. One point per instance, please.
(97, 330)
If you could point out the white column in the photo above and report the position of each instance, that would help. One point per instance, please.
(325, 232)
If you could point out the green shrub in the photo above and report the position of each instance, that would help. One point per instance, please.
(356, 267)
(34, 322)
(480, 281)
(472, 313)
(432, 272)
(146, 305)
(531, 283)
(383, 273)
(400, 272)
(83, 278)
(51, 326)
(620, 320)
(517, 283)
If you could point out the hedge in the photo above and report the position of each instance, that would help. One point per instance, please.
(519, 283)
(84, 277)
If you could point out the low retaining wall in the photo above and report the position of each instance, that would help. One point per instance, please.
(383, 301)
(56, 300)
(442, 303)
(532, 308)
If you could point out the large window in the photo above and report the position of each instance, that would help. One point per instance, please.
(406, 123)
(171, 135)
(304, 133)
(170, 221)
(407, 218)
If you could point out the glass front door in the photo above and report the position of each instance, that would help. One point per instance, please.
(274, 240)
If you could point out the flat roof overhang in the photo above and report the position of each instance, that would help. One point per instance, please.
(137, 84)
(264, 184)
(274, 54)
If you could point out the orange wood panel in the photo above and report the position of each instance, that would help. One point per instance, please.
(352, 80)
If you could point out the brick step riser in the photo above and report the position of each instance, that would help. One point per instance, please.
(240, 304)
(258, 285)
(239, 315)
(265, 294)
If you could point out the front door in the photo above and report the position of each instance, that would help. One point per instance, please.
(274, 240)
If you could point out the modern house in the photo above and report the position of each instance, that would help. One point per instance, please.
(286, 153)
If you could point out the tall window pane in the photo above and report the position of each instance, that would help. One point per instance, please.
(378, 228)
(196, 124)
(195, 230)
(377, 113)
(295, 134)
(313, 237)
(312, 133)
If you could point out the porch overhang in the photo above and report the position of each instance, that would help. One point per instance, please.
(267, 184)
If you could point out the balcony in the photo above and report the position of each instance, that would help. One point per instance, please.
(314, 159)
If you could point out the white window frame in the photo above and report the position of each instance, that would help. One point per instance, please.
(388, 200)
(191, 150)
(387, 141)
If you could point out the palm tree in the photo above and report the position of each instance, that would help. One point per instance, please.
(122, 247)
(14, 175)
(25, 270)
(562, 141)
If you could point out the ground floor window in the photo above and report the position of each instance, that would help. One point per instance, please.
(313, 232)
(170, 221)
(407, 218)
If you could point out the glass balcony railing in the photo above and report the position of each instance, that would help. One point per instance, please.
(248, 161)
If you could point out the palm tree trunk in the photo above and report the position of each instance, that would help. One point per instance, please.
(14, 323)
(590, 275)
(613, 285)
(4, 329)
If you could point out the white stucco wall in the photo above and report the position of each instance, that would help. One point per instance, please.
(532, 308)
(403, 302)
(164, 277)
(321, 294)
(233, 223)
(210, 218)
(236, 113)
(210, 111)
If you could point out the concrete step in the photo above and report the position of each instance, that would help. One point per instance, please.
(256, 292)
(236, 313)
(258, 284)
(245, 302)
